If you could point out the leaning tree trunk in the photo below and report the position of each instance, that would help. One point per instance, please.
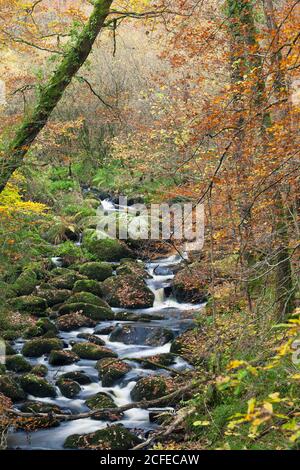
(53, 91)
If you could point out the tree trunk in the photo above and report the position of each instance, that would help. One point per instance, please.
(53, 91)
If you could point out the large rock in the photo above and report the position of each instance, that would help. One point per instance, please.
(38, 347)
(11, 389)
(29, 304)
(73, 321)
(66, 281)
(92, 351)
(62, 358)
(91, 339)
(26, 282)
(149, 388)
(127, 291)
(87, 298)
(107, 249)
(77, 376)
(88, 285)
(190, 285)
(99, 401)
(68, 388)
(145, 335)
(96, 271)
(110, 371)
(135, 268)
(115, 437)
(17, 364)
(31, 406)
(37, 386)
(94, 312)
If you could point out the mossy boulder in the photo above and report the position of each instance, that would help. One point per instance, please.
(145, 335)
(29, 304)
(32, 406)
(149, 388)
(94, 312)
(66, 281)
(17, 364)
(26, 283)
(100, 400)
(191, 284)
(68, 388)
(54, 296)
(37, 386)
(33, 332)
(62, 358)
(40, 346)
(47, 326)
(110, 371)
(153, 362)
(127, 291)
(77, 376)
(9, 350)
(86, 298)
(91, 339)
(88, 285)
(92, 351)
(115, 437)
(11, 388)
(73, 321)
(135, 268)
(96, 271)
(40, 370)
(107, 249)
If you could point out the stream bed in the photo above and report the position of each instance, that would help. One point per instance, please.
(176, 316)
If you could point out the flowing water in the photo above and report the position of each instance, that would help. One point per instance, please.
(176, 316)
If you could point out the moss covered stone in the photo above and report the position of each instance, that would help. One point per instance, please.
(115, 437)
(37, 386)
(73, 321)
(17, 364)
(133, 267)
(127, 291)
(95, 312)
(40, 346)
(107, 250)
(47, 326)
(66, 281)
(68, 388)
(54, 296)
(149, 388)
(32, 406)
(99, 401)
(96, 271)
(110, 371)
(92, 351)
(26, 283)
(11, 389)
(91, 339)
(29, 304)
(191, 284)
(77, 376)
(62, 358)
(33, 332)
(9, 350)
(40, 370)
(88, 285)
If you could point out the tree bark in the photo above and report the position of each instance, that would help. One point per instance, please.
(53, 91)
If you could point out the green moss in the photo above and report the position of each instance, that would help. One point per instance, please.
(89, 285)
(127, 291)
(17, 364)
(11, 389)
(40, 369)
(77, 376)
(26, 283)
(100, 400)
(38, 347)
(69, 388)
(39, 407)
(92, 351)
(107, 250)
(111, 371)
(73, 321)
(66, 281)
(95, 312)
(62, 358)
(96, 271)
(30, 304)
(54, 296)
(37, 386)
(87, 298)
